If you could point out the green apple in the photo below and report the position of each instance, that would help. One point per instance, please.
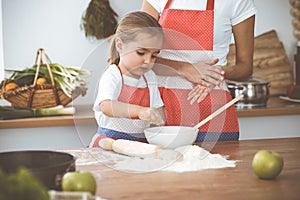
(267, 164)
(79, 181)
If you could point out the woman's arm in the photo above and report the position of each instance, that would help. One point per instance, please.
(124, 110)
(203, 73)
(244, 44)
(148, 8)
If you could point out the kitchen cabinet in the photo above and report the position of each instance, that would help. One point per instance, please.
(279, 119)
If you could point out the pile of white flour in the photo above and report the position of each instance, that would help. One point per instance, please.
(194, 158)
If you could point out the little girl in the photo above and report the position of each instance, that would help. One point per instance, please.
(128, 99)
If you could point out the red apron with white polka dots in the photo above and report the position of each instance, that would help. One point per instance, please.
(198, 25)
(131, 95)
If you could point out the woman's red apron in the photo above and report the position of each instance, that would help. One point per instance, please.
(198, 25)
(131, 95)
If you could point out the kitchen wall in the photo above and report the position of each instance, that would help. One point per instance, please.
(55, 26)
(275, 14)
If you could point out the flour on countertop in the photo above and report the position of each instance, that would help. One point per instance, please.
(194, 158)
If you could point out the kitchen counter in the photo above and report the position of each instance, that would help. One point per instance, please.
(85, 116)
(275, 107)
(227, 183)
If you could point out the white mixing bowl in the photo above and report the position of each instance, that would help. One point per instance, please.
(171, 136)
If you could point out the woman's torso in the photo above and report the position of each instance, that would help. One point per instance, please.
(226, 14)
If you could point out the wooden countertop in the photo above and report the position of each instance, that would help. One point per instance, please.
(227, 183)
(275, 107)
(85, 116)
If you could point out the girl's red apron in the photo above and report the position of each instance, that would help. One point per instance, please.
(198, 25)
(130, 95)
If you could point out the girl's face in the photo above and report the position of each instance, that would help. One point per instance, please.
(138, 56)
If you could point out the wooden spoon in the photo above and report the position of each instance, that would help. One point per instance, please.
(217, 112)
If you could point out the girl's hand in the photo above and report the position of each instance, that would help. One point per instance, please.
(203, 73)
(151, 115)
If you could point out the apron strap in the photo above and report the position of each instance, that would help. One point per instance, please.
(121, 74)
(168, 4)
(209, 4)
(123, 79)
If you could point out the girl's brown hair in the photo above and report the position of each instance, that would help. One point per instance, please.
(130, 27)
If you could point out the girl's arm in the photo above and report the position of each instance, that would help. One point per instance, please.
(244, 41)
(119, 109)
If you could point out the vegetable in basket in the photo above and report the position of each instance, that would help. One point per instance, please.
(44, 85)
(66, 78)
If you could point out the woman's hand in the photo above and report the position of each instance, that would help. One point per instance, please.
(152, 115)
(198, 93)
(203, 73)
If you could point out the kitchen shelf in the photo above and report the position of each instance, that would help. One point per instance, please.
(85, 116)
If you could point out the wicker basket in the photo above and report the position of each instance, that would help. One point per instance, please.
(39, 96)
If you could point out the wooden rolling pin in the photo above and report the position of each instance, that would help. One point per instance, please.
(139, 149)
(143, 150)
